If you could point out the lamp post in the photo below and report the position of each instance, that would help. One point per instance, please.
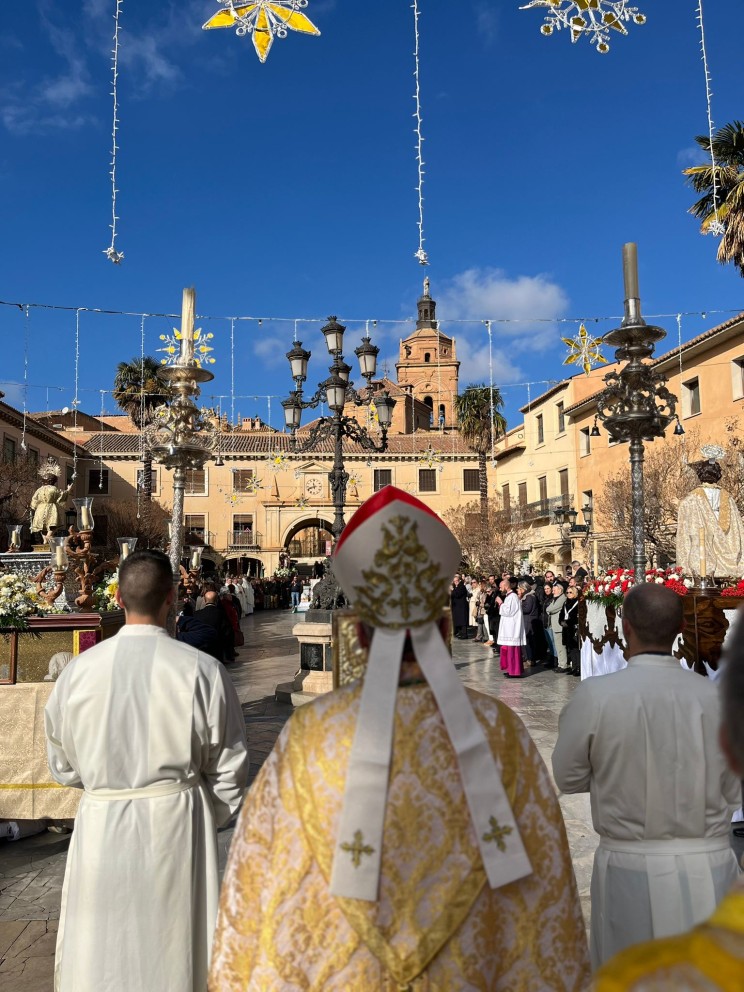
(180, 437)
(565, 519)
(635, 405)
(336, 391)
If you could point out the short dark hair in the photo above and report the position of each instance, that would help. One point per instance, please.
(145, 579)
(655, 613)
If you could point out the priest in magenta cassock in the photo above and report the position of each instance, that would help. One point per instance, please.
(153, 731)
(404, 833)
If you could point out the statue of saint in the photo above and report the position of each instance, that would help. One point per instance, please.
(48, 500)
(710, 533)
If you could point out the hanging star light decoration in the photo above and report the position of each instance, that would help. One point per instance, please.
(584, 350)
(202, 348)
(277, 460)
(264, 20)
(431, 458)
(593, 18)
(302, 503)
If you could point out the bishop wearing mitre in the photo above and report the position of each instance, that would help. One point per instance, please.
(404, 833)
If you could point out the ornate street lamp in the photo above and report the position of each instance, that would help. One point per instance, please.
(180, 436)
(635, 405)
(336, 391)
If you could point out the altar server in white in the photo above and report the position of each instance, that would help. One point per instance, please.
(152, 730)
(644, 743)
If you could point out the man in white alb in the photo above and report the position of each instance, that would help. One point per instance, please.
(153, 731)
(644, 743)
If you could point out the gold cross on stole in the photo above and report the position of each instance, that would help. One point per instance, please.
(357, 849)
(497, 834)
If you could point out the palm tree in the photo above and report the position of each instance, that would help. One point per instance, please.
(479, 418)
(728, 152)
(138, 392)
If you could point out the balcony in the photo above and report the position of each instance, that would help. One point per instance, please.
(245, 540)
(543, 509)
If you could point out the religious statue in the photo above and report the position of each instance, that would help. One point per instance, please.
(48, 500)
(710, 533)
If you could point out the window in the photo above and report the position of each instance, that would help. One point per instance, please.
(242, 480)
(196, 482)
(98, 482)
(242, 535)
(563, 482)
(737, 378)
(33, 456)
(9, 449)
(427, 480)
(560, 409)
(441, 415)
(585, 442)
(540, 429)
(153, 479)
(505, 496)
(194, 526)
(691, 398)
(542, 483)
(427, 357)
(522, 493)
(68, 474)
(383, 477)
(430, 403)
(470, 480)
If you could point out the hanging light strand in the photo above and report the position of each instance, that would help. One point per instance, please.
(232, 372)
(716, 226)
(490, 383)
(26, 327)
(111, 252)
(420, 254)
(76, 400)
(142, 415)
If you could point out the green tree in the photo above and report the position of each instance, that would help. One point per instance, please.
(479, 418)
(728, 151)
(138, 393)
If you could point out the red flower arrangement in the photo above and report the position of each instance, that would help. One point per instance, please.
(737, 590)
(611, 588)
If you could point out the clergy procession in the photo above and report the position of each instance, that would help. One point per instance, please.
(404, 833)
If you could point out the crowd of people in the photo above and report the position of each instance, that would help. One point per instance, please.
(527, 620)
(404, 833)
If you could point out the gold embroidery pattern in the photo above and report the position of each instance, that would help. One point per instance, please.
(358, 849)
(387, 592)
(497, 834)
(437, 924)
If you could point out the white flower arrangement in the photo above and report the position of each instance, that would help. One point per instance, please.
(18, 602)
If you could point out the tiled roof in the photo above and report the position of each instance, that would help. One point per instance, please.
(53, 438)
(674, 353)
(546, 395)
(237, 445)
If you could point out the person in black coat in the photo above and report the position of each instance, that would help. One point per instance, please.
(533, 626)
(459, 597)
(212, 615)
(199, 635)
(492, 612)
(569, 621)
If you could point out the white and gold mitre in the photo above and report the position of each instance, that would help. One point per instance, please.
(395, 561)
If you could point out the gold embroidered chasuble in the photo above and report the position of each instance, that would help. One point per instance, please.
(437, 925)
(709, 958)
(724, 534)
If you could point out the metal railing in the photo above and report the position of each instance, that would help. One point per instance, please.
(543, 509)
(247, 540)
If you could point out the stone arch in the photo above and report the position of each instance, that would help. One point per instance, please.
(308, 524)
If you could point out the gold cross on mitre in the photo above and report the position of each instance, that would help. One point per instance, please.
(358, 849)
(497, 834)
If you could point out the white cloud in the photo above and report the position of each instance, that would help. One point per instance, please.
(692, 155)
(523, 311)
(487, 21)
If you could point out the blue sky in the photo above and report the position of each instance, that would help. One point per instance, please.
(287, 189)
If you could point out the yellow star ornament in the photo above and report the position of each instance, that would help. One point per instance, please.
(264, 20)
(584, 350)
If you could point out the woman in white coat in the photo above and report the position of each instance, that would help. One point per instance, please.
(511, 637)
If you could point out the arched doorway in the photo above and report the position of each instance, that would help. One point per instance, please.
(308, 540)
(429, 401)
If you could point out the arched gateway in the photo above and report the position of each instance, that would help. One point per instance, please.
(308, 539)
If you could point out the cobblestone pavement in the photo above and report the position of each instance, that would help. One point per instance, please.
(31, 870)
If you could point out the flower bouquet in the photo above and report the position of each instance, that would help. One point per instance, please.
(737, 590)
(18, 602)
(104, 594)
(611, 588)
